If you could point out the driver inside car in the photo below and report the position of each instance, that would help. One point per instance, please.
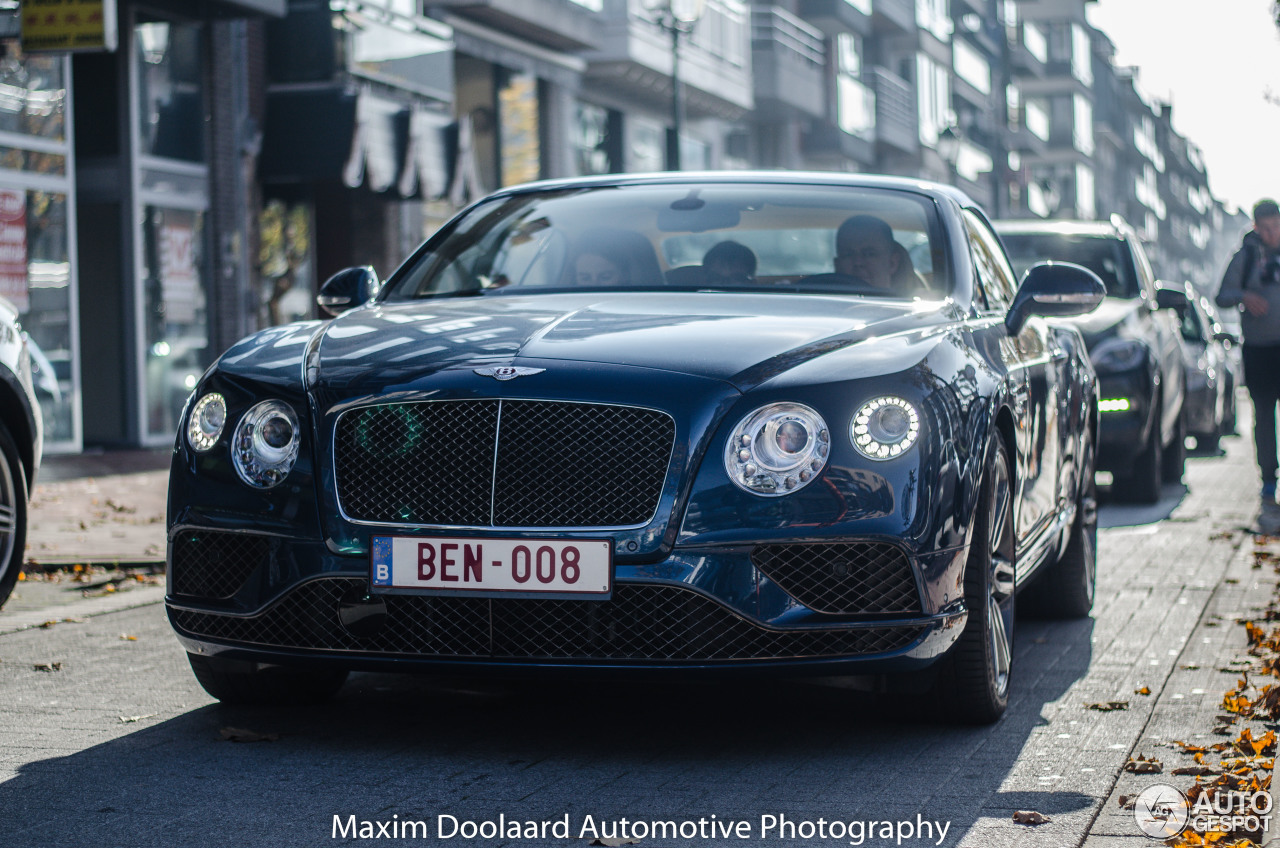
(866, 249)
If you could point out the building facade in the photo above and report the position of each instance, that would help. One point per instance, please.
(200, 181)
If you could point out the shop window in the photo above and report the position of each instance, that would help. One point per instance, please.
(170, 92)
(519, 129)
(284, 257)
(33, 94)
(35, 274)
(177, 333)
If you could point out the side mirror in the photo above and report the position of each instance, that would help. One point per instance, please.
(348, 289)
(1054, 288)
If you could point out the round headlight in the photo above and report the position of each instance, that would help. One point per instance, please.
(777, 449)
(265, 444)
(885, 427)
(208, 417)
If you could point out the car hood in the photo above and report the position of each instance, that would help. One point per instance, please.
(741, 339)
(1108, 319)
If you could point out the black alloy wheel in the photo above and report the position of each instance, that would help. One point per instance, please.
(976, 675)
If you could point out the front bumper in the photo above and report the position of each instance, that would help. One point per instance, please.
(1121, 435)
(298, 603)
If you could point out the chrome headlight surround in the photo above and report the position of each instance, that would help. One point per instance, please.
(207, 420)
(885, 427)
(265, 444)
(777, 449)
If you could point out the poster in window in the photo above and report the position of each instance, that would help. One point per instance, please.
(178, 273)
(13, 248)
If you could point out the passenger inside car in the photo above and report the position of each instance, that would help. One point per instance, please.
(611, 257)
(729, 263)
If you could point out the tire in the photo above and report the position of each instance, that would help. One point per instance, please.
(1066, 589)
(1143, 482)
(1174, 463)
(974, 679)
(13, 514)
(240, 682)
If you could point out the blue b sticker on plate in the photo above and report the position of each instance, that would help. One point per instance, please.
(381, 560)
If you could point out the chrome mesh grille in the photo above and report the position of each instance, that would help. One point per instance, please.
(641, 623)
(842, 578)
(215, 565)
(509, 463)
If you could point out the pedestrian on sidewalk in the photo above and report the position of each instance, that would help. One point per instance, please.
(1252, 284)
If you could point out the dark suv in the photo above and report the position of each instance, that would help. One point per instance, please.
(1134, 345)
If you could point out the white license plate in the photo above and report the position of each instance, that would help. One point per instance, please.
(462, 564)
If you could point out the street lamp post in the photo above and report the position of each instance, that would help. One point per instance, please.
(677, 18)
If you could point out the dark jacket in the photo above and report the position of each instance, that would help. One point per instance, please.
(1251, 270)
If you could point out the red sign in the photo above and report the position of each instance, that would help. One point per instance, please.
(13, 248)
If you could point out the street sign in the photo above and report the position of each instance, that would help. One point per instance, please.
(58, 26)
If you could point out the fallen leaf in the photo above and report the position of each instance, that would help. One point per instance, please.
(1143, 765)
(1145, 690)
(132, 719)
(236, 734)
(1108, 706)
(49, 666)
(125, 637)
(50, 623)
(1197, 771)
(1127, 802)
(1030, 817)
(1189, 667)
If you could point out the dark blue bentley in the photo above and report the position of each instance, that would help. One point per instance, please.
(796, 423)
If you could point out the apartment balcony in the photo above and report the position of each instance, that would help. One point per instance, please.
(788, 58)
(827, 144)
(557, 24)
(837, 15)
(633, 60)
(894, 17)
(896, 119)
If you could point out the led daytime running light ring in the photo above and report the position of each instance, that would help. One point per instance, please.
(874, 439)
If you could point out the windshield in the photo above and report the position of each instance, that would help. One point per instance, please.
(743, 237)
(1106, 256)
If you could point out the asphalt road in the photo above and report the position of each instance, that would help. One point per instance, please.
(120, 747)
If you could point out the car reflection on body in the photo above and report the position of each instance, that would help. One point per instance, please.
(557, 439)
(21, 443)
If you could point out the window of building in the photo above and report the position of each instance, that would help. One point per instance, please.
(176, 330)
(33, 94)
(934, 17)
(971, 66)
(591, 137)
(933, 93)
(1082, 125)
(1081, 55)
(170, 90)
(521, 148)
(1085, 205)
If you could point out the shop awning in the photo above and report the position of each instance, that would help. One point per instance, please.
(363, 139)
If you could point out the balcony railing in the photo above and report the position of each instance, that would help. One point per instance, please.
(896, 119)
(788, 57)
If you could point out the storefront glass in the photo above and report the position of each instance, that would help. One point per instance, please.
(33, 94)
(284, 256)
(176, 331)
(170, 92)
